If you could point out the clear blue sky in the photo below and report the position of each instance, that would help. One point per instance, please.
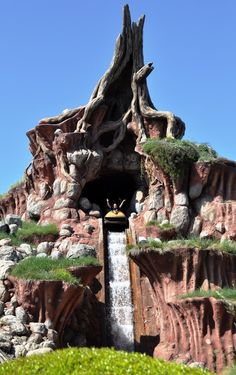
(54, 51)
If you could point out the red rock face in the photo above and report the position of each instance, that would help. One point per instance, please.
(193, 329)
(53, 301)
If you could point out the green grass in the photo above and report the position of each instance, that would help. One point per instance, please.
(190, 243)
(36, 268)
(223, 294)
(173, 154)
(165, 226)
(29, 231)
(93, 361)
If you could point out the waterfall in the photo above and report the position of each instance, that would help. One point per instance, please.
(120, 303)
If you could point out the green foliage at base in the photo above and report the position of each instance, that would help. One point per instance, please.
(173, 154)
(225, 293)
(95, 362)
(35, 268)
(190, 243)
(29, 231)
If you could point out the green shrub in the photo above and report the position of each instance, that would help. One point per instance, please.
(35, 268)
(94, 362)
(223, 294)
(173, 154)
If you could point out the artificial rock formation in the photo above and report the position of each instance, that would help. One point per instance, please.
(192, 329)
(88, 154)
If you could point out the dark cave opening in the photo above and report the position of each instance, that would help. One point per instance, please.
(113, 186)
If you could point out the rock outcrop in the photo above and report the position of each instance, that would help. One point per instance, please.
(192, 329)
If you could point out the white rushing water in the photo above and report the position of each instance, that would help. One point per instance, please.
(120, 302)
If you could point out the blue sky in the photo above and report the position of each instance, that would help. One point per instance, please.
(54, 51)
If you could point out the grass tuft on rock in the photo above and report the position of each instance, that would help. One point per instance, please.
(173, 154)
(86, 361)
(29, 231)
(222, 294)
(36, 268)
(189, 243)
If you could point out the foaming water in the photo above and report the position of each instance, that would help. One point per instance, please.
(120, 302)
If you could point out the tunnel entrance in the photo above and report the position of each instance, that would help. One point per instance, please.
(115, 187)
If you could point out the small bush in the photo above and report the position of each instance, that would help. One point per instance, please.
(173, 154)
(93, 361)
(35, 268)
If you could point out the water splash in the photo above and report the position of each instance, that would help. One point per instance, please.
(120, 302)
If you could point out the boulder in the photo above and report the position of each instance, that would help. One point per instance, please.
(45, 247)
(21, 315)
(39, 351)
(79, 250)
(5, 242)
(13, 228)
(4, 227)
(5, 267)
(8, 253)
(180, 218)
(14, 325)
(85, 204)
(39, 328)
(13, 219)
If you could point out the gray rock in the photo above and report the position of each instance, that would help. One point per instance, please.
(196, 226)
(5, 268)
(8, 253)
(85, 204)
(9, 310)
(52, 335)
(15, 326)
(94, 213)
(5, 242)
(73, 191)
(181, 199)
(13, 219)
(21, 315)
(220, 227)
(142, 240)
(19, 340)
(63, 186)
(39, 351)
(47, 344)
(197, 365)
(78, 250)
(34, 206)
(19, 351)
(6, 346)
(45, 247)
(35, 338)
(4, 294)
(26, 248)
(38, 328)
(195, 190)
(68, 227)
(2, 307)
(41, 255)
(57, 187)
(31, 346)
(65, 233)
(155, 200)
(62, 214)
(3, 357)
(56, 254)
(48, 324)
(63, 203)
(13, 228)
(180, 218)
(4, 227)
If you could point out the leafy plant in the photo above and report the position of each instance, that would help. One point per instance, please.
(86, 361)
(36, 268)
(173, 154)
